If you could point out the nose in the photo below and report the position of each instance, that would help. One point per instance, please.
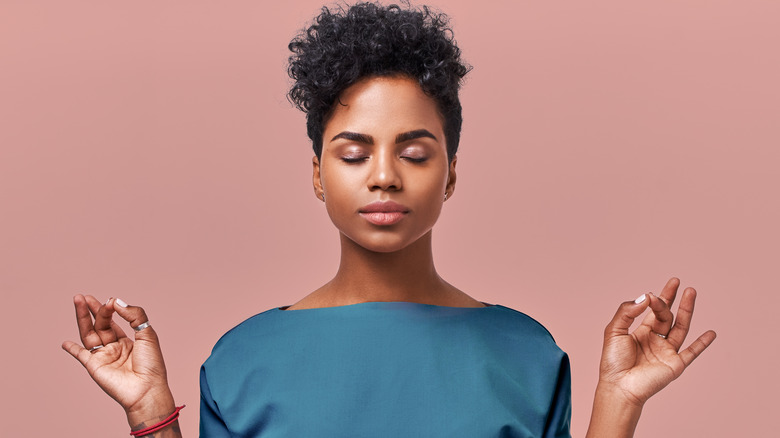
(384, 172)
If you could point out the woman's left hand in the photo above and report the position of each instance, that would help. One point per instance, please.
(637, 365)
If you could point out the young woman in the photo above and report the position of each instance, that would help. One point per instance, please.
(387, 347)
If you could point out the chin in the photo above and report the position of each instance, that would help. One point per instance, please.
(383, 247)
(383, 243)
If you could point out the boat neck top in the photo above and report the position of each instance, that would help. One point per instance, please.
(383, 305)
(393, 369)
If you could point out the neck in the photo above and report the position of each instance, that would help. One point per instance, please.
(405, 275)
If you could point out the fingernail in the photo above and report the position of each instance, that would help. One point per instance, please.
(121, 303)
(640, 299)
(108, 301)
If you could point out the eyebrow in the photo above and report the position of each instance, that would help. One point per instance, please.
(412, 135)
(400, 138)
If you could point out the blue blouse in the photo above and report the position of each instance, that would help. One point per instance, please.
(386, 369)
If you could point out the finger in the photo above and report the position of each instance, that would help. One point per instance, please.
(668, 294)
(136, 316)
(103, 322)
(87, 333)
(625, 316)
(94, 307)
(93, 303)
(698, 346)
(663, 316)
(682, 325)
(102, 313)
(80, 353)
(118, 330)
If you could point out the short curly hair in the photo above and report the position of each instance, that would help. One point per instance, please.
(368, 39)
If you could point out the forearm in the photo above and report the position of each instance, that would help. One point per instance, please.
(613, 415)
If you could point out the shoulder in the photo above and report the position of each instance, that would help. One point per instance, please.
(250, 332)
(518, 320)
(515, 331)
(254, 322)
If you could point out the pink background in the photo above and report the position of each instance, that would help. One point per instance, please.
(149, 153)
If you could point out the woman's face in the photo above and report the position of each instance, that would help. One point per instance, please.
(384, 169)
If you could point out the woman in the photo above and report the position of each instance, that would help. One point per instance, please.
(387, 347)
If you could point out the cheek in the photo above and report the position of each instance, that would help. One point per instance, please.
(430, 192)
(336, 179)
(340, 188)
(432, 184)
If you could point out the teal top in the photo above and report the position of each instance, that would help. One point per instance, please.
(386, 369)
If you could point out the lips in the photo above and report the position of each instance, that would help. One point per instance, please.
(384, 213)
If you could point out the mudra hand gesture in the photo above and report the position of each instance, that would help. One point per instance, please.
(636, 365)
(131, 372)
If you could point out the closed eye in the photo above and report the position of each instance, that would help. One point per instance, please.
(353, 159)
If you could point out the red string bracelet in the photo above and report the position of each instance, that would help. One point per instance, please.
(155, 427)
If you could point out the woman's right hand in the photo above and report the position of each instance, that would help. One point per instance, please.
(131, 372)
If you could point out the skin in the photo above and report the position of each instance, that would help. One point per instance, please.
(394, 263)
(384, 263)
(131, 372)
(636, 365)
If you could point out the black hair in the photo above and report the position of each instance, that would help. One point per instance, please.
(368, 39)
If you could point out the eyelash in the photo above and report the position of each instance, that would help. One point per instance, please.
(353, 160)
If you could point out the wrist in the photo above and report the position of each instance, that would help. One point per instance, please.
(168, 427)
(615, 414)
(151, 409)
(616, 396)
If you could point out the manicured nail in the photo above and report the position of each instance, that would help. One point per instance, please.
(121, 303)
(108, 301)
(640, 299)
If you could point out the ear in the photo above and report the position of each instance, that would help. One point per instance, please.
(450, 189)
(316, 180)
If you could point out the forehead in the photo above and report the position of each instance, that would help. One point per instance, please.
(384, 105)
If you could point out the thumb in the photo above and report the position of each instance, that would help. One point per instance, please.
(625, 316)
(138, 320)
